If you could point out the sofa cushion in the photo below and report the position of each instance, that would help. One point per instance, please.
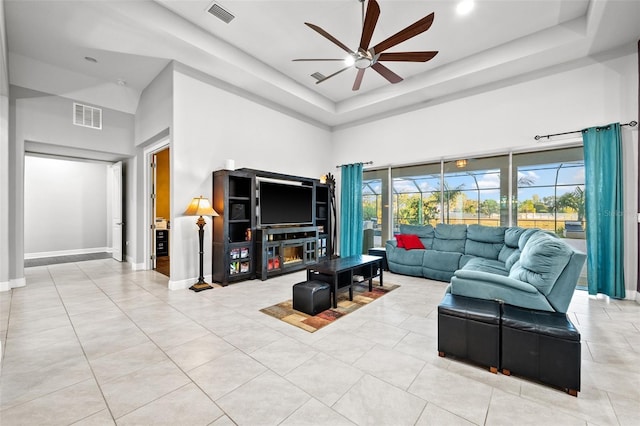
(484, 241)
(526, 234)
(424, 232)
(512, 259)
(485, 265)
(405, 257)
(450, 238)
(542, 260)
(512, 236)
(441, 260)
(411, 242)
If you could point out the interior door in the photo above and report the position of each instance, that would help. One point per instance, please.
(152, 204)
(117, 226)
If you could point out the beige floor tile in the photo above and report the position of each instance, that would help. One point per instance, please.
(507, 409)
(177, 335)
(21, 387)
(392, 366)
(436, 416)
(284, 355)
(250, 340)
(226, 373)
(61, 407)
(199, 351)
(266, 400)
(128, 393)
(344, 345)
(374, 402)
(127, 361)
(325, 378)
(315, 413)
(124, 324)
(381, 333)
(187, 405)
(101, 418)
(448, 389)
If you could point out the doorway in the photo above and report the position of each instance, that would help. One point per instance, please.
(161, 210)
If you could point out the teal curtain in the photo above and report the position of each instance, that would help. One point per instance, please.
(604, 209)
(351, 210)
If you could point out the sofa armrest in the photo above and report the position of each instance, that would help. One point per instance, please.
(489, 278)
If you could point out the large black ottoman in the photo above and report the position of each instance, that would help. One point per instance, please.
(543, 346)
(469, 329)
(311, 297)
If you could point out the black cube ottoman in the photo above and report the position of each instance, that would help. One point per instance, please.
(543, 346)
(311, 297)
(469, 328)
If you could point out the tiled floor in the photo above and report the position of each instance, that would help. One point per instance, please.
(94, 343)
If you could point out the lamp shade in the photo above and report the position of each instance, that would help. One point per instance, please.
(200, 206)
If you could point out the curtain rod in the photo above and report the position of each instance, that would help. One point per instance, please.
(538, 137)
(363, 163)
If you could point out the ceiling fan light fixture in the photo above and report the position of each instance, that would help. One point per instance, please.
(465, 6)
(362, 63)
(349, 60)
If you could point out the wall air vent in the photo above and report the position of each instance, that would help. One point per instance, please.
(87, 116)
(318, 76)
(220, 13)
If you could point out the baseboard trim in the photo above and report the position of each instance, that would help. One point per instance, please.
(17, 282)
(43, 254)
(184, 284)
(5, 286)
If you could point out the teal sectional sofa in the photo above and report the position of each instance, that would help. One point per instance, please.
(522, 267)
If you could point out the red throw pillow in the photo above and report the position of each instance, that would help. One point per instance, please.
(411, 241)
(400, 239)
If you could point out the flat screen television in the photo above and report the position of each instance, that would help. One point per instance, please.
(284, 204)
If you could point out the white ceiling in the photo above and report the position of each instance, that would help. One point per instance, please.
(133, 40)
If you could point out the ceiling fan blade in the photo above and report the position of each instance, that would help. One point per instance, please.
(329, 37)
(356, 84)
(408, 56)
(335, 73)
(303, 60)
(412, 30)
(370, 20)
(391, 76)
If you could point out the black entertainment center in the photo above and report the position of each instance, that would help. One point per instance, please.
(269, 224)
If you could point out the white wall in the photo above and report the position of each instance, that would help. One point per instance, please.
(211, 125)
(154, 121)
(45, 120)
(66, 207)
(507, 119)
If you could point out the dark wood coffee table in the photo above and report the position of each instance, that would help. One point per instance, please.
(339, 273)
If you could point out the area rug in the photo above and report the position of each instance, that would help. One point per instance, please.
(361, 296)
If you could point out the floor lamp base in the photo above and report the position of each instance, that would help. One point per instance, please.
(200, 286)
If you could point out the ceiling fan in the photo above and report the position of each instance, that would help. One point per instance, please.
(370, 57)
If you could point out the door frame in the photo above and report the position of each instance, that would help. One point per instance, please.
(149, 235)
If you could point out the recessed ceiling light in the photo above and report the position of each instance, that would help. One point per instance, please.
(91, 59)
(465, 6)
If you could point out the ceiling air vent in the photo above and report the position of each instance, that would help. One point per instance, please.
(87, 116)
(318, 76)
(220, 13)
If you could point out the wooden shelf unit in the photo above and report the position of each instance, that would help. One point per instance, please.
(242, 250)
(233, 248)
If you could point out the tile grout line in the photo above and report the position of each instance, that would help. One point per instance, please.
(158, 347)
(106, 403)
